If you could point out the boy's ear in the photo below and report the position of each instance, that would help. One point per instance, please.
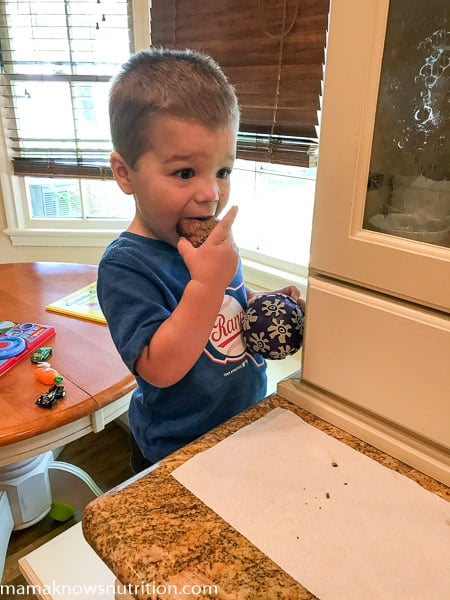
(120, 171)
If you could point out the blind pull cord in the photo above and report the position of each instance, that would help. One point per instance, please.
(280, 37)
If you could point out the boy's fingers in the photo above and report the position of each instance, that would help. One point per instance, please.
(230, 215)
(184, 247)
(223, 228)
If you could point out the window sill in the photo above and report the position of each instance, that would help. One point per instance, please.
(257, 275)
(261, 276)
(62, 237)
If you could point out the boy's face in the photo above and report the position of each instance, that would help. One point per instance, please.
(186, 173)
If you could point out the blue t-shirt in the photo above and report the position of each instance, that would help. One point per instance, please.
(140, 283)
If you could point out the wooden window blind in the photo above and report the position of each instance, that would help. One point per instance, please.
(57, 58)
(272, 51)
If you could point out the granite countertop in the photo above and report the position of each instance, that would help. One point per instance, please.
(153, 530)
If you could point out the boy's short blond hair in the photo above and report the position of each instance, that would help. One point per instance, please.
(177, 83)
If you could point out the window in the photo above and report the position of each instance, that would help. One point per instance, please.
(57, 59)
(275, 212)
(87, 199)
(275, 208)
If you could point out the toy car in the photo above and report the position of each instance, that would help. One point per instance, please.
(52, 396)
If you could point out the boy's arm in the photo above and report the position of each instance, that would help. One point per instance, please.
(179, 341)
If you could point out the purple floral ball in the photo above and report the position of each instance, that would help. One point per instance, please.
(273, 326)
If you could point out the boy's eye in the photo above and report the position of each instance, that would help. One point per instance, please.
(185, 173)
(224, 173)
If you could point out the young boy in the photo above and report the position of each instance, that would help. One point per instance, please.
(175, 311)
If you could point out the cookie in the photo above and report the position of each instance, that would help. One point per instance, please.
(196, 230)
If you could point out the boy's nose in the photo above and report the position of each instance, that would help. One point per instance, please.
(207, 191)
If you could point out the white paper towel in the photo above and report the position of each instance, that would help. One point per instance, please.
(338, 522)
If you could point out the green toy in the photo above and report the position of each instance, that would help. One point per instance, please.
(62, 512)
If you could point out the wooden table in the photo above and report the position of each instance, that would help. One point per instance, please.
(98, 388)
(96, 380)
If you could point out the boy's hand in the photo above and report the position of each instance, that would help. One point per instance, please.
(215, 262)
(290, 290)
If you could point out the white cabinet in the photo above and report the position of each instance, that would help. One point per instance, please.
(376, 354)
(385, 356)
(356, 148)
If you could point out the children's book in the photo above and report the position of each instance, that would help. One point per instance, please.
(82, 303)
(18, 340)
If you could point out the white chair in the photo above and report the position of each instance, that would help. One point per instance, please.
(6, 527)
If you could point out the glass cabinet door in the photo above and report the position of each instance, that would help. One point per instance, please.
(408, 192)
(382, 203)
